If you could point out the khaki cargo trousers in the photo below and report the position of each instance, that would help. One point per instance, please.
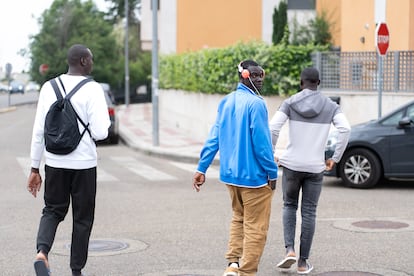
(249, 226)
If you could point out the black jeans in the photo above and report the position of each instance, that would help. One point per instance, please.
(311, 186)
(61, 186)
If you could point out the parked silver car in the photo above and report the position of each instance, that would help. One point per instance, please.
(113, 135)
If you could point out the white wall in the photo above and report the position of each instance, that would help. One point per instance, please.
(196, 112)
(268, 7)
(167, 26)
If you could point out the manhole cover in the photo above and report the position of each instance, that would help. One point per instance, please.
(348, 273)
(380, 224)
(103, 247)
(187, 275)
(372, 225)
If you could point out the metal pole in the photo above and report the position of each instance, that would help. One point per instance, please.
(380, 84)
(155, 134)
(126, 54)
(9, 100)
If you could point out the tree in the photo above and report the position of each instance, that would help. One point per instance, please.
(316, 32)
(117, 11)
(139, 60)
(279, 22)
(73, 21)
(321, 28)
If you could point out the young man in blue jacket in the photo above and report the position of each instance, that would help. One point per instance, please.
(241, 135)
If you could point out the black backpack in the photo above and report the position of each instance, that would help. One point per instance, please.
(61, 131)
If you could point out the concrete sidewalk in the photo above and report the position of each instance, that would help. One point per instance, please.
(136, 130)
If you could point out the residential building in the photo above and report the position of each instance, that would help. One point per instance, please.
(190, 25)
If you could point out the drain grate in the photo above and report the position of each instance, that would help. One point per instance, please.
(380, 224)
(347, 273)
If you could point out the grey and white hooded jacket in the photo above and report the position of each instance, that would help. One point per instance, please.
(310, 117)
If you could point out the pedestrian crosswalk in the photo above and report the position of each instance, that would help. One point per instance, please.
(142, 169)
(170, 170)
(135, 166)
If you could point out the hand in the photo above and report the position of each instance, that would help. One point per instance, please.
(34, 183)
(329, 164)
(277, 161)
(272, 184)
(198, 180)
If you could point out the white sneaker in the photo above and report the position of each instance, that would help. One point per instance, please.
(288, 261)
(232, 270)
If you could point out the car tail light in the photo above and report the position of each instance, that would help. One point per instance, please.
(111, 111)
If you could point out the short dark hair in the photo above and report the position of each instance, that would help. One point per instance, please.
(245, 64)
(310, 74)
(76, 52)
(248, 62)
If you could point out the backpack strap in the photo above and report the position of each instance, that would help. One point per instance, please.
(69, 95)
(56, 89)
(61, 84)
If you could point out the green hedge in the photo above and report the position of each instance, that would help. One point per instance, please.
(214, 71)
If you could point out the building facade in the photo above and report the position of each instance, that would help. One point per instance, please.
(191, 25)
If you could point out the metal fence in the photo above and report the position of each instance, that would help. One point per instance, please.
(359, 70)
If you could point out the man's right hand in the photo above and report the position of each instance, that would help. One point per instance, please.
(34, 183)
(272, 184)
(329, 164)
(198, 180)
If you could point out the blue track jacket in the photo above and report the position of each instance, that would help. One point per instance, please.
(241, 135)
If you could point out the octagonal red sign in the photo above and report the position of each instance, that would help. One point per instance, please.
(382, 38)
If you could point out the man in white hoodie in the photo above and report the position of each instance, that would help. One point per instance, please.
(69, 177)
(310, 117)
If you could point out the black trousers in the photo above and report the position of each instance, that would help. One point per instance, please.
(62, 186)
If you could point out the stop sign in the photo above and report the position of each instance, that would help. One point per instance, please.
(382, 38)
(43, 68)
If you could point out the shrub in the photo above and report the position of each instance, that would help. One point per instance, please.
(214, 71)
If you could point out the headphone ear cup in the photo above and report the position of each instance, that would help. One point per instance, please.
(245, 73)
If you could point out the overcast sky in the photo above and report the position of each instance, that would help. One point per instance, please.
(18, 20)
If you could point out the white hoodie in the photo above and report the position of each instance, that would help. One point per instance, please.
(89, 103)
(310, 117)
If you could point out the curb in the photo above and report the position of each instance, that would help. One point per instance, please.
(155, 150)
(8, 109)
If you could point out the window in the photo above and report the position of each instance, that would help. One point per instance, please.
(410, 112)
(301, 4)
(394, 119)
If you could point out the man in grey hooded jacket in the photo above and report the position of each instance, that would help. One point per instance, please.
(310, 117)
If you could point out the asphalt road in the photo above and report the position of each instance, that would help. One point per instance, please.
(8, 100)
(150, 222)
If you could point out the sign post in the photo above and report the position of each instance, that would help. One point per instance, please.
(9, 68)
(382, 41)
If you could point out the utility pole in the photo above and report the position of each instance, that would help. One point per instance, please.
(155, 126)
(126, 54)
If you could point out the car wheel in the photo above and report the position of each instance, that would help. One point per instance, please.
(360, 168)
